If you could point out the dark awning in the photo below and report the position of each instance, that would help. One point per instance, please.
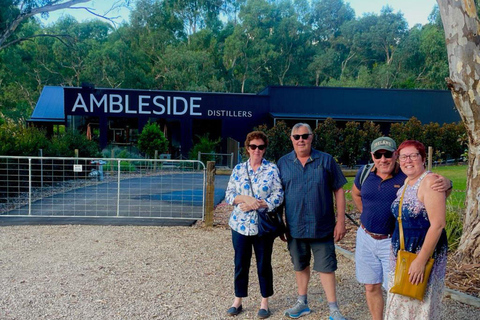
(49, 107)
(337, 117)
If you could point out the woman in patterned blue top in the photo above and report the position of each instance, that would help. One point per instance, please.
(423, 221)
(265, 194)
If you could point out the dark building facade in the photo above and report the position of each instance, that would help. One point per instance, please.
(117, 116)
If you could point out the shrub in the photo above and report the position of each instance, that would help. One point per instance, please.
(152, 139)
(19, 140)
(205, 145)
(370, 132)
(454, 225)
(452, 143)
(411, 130)
(327, 138)
(64, 145)
(279, 142)
(353, 140)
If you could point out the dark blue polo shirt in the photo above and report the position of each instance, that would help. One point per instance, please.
(377, 197)
(309, 206)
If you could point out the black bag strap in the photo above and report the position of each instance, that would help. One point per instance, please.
(365, 171)
(249, 181)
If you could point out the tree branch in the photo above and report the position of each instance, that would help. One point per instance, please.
(56, 36)
(25, 14)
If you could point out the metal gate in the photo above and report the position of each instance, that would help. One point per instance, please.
(96, 188)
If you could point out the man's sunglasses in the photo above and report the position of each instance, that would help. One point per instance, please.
(386, 154)
(254, 146)
(304, 136)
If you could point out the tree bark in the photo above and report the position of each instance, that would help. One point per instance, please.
(462, 26)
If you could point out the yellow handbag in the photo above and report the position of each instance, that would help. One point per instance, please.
(402, 284)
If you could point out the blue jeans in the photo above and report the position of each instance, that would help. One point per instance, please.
(263, 247)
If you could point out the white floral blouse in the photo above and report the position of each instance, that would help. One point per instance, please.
(266, 186)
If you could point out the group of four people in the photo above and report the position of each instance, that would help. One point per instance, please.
(310, 185)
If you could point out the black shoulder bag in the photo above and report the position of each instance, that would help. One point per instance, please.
(269, 223)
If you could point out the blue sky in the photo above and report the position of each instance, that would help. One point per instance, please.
(414, 11)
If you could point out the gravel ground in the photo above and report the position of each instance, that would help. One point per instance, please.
(132, 272)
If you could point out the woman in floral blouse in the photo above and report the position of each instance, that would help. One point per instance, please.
(264, 193)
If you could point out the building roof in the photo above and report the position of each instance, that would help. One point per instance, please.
(315, 103)
(338, 117)
(364, 103)
(49, 107)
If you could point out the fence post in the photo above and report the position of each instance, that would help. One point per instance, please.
(40, 153)
(112, 155)
(75, 174)
(210, 193)
(155, 157)
(430, 155)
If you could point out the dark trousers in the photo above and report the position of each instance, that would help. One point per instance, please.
(263, 247)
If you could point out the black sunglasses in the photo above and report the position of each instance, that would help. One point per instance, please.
(304, 136)
(386, 154)
(254, 146)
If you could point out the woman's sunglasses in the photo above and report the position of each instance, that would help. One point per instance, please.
(386, 154)
(254, 146)
(304, 136)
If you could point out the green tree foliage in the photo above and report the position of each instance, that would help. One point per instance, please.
(410, 130)
(350, 145)
(370, 131)
(152, 139)
(431, 135)
(279, 142)
(446, 140)
(204, 145)
(451, 143)
(19, 140)
(327, 137)
(64, 145)
(185, 45)
(353, 141)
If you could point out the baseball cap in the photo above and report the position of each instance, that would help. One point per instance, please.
(383, 143)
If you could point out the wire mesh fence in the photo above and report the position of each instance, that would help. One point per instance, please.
(86, 187)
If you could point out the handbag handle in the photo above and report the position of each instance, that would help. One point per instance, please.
(400, 226)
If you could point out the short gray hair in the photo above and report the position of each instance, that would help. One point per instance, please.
(299, 125)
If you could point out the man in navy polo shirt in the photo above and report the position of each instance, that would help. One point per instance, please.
(373, 198)
(311, 179)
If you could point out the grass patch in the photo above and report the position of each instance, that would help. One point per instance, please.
(458, 175)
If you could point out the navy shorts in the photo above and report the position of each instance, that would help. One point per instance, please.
(325, 259)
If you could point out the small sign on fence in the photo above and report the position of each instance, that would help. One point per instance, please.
(77, 168)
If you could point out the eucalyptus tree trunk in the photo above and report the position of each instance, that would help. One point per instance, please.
(461, 25)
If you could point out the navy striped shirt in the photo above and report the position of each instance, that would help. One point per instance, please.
(309, 205)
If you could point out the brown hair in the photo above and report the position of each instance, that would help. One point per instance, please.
(255, 135)
(413, 143)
